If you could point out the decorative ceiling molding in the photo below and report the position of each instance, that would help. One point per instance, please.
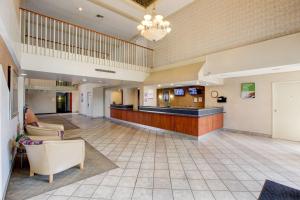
(180, 63)
(144, 3)
(116, 10)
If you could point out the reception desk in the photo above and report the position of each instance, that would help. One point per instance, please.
(191, 121)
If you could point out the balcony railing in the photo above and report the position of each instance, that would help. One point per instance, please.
(47, 36)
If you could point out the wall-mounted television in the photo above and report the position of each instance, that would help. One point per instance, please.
(179, 92)
(195, 91)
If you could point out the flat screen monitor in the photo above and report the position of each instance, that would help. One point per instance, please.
(194, 91)
(179, 92)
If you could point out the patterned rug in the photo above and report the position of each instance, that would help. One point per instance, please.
(22, 186)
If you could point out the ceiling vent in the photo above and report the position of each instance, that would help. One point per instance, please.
(106, 71)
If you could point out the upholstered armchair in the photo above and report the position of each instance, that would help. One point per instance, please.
(52, 157)
(42, 133)
(37, 130)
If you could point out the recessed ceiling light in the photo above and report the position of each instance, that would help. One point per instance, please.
(80, 9)
(158, 85)
(172, 84)
(23, 74)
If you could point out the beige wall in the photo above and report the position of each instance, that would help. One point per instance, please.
(41, 101)
(116, 96)
(207, 26)
(130, 97)
(254, 115)
(75, 101)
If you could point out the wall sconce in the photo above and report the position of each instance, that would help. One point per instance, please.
(160, 96)
(171, 96)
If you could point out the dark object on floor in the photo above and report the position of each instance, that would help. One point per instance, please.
(276, 191)
(22, 186)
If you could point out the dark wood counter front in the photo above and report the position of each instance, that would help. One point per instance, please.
(191, 125)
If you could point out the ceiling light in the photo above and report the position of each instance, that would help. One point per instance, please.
(172, 84)
(80, 9)
(23, 74)
(100, 81)
(158, 85)
(84, 80)
(153, 27)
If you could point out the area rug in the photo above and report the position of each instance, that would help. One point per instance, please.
(276, 191)
(21, 186)
(57, 119)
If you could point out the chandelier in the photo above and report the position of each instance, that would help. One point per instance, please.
(153, 27)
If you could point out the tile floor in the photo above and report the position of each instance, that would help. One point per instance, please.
(159, 166)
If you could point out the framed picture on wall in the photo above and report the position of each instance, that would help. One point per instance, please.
(166, 95)
(13, 91)
(148, 95)
(248, 90)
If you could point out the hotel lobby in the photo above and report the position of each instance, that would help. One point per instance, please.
(150, 99)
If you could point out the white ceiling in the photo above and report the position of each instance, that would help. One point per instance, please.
(120, 16)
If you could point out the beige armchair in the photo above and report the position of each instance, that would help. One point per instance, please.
(42, 131)
(53, 157)
(45, 131)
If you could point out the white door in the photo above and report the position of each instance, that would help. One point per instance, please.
(107, 102)
(89, 103)
(286, 110)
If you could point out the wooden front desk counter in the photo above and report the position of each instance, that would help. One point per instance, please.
(191, 124)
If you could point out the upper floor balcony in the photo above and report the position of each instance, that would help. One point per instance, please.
(46, 36)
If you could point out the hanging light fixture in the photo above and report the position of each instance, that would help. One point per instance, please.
(153, 27)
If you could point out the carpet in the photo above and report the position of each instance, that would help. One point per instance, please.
(57, 119)
(276, 191)
(21, 186)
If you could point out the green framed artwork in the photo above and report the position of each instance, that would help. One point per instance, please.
(248, 90)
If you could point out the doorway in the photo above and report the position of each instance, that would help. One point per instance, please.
(286, 109)
(63, 102)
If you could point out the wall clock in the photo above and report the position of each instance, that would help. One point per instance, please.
(214, 94)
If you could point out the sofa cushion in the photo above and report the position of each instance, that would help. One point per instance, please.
(25, 140)
(34, 124)
(30, 116)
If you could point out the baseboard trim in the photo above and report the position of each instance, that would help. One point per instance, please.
(247, 132)
(45, 113)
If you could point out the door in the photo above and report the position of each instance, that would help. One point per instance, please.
(60, 102)
(107, 102)
(89, 103)
(286, 110)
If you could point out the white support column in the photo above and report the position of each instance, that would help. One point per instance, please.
(21, 100)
